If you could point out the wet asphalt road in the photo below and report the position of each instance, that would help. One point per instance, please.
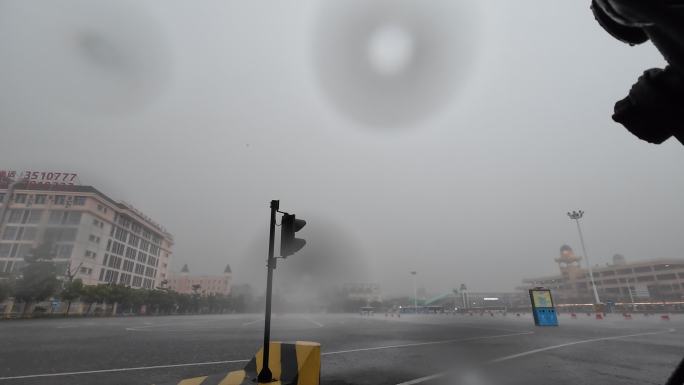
(418, 349)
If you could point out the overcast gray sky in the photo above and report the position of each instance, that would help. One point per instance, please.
(461, 167)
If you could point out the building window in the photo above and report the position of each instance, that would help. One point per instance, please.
(40, 199)
(133, 240)
(94, 238)
(73, 218)
(60, 199)
(645, 278)
(79, 201)
(19, 198)
(128, 266)
(15, 216)
(10, 233)
(665, 277)
(130, 253)
(120, 234)
(139, 269)
(5, 250)
(2, 199)
(29, 233)
(125, 279)
(34, 216)
(643, 269)
(118, 248)
(64, 251)
(137, 281)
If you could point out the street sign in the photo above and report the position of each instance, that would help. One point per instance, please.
(542, 307)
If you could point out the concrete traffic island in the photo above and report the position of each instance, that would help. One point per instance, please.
(297, 363)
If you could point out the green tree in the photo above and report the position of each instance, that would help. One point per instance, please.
(196, 296)
(183, 301)
(95, 294)
(6, 290)
(38, 278)
(136, 298)
(71, 291)
(90, 296)
(161, 301)
(118, 294)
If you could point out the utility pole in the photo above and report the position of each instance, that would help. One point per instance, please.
(265, 374)
(464, 296)
(289, 245)
(576, 215)
(415, 293)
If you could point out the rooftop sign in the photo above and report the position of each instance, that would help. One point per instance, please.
(41, 177)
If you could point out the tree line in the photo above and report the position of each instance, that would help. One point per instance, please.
(38, 282)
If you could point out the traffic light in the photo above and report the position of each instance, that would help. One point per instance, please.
(288, 243)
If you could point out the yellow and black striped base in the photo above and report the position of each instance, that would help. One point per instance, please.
(296, 363)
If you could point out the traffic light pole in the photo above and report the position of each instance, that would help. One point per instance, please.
(265, 374)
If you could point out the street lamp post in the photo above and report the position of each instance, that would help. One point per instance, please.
(415, 293)
(576, 215)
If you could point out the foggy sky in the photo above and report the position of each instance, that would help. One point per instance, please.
(199, 113)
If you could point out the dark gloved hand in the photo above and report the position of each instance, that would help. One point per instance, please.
(653, 109)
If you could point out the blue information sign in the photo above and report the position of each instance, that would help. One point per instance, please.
(542, 307)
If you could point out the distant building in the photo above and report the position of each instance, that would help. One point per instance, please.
(186, 283)
(467, 300)
(661, 279)
(91, 236)
(369, 292)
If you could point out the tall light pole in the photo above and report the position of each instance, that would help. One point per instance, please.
(415, 293)
(576, 215)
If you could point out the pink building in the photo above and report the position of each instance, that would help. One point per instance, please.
(184, 283)
(92, 236)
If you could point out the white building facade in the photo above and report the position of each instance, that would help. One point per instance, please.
(91, 236)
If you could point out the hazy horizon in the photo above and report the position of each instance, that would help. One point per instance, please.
(172, 107)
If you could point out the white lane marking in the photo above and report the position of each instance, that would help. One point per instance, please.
(426, 343)
(252, 322)
(423, 379)
(136, 328)
(552, 347)
(180, 323)
(237, 361)
(320, 325)
(120, 369)
(518, 355)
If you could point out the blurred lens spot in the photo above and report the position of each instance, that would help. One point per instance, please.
(392, 63)
(83, 56)
(390, 50)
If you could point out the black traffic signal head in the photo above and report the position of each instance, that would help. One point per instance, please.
(288, 243)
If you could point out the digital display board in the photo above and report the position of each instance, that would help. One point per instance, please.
(542, 298)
